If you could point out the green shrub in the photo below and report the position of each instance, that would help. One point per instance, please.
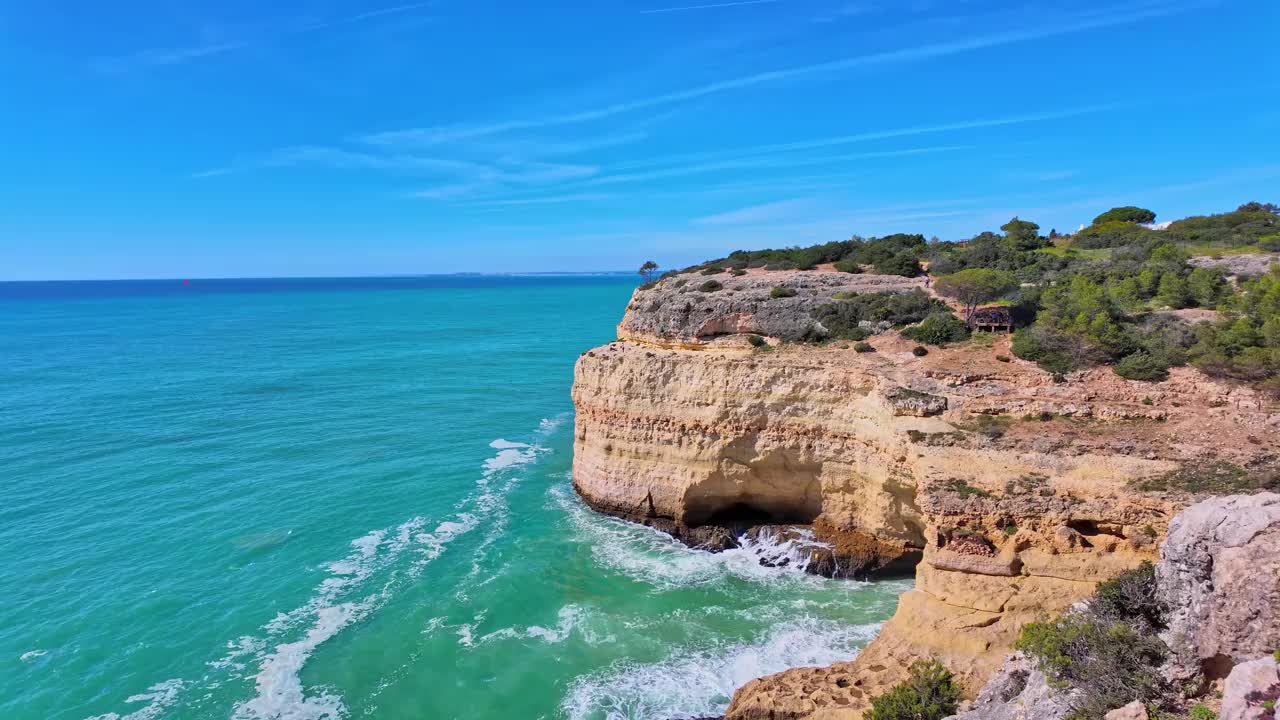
(904, 263)
(1201, 712)
(992, 426)
(710, 286)
(938, 329)
(919, 351)
(1110, 663)
(964, 489)
(975, 286)
(1053, 350)
(1004, 358)
(783, 292)
(843, 318)
(1131, 596)
(1141, 366)
(848, 266)
(863, 347)
(757, 341)
(929, 693)
(737, 272)
(713, 270)
(1112, 234)
(1128, 214)
(1244, 226)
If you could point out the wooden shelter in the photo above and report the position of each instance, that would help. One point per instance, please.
(992, 318)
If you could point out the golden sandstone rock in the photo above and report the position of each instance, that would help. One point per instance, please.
(1014, 488)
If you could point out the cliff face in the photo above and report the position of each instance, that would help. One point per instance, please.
(1013, 489)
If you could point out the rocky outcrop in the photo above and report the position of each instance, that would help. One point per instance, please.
(1133, 711)
(1252, 691)
(906, 401)
(676, 312)
(1018, 691)
(1014, 491)
(1219, 575)
(1252, 264)
(1217, 580)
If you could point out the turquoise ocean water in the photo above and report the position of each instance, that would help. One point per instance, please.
(294, 500)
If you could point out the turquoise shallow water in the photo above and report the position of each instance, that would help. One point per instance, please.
(350, 499)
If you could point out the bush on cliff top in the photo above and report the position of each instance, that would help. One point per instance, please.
(843, 319)
(1131, 596)
(928, 693)
(1109, 651)
(938, 329)
(1087, 299)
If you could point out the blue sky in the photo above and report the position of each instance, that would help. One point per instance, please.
(329, 137)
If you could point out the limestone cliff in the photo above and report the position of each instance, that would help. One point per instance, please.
(1015, 490)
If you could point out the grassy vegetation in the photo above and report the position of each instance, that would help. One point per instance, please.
(1066, 251)
(1211, 250)
(929, 693)
(892, 255)
(992, 426)
(1215, 478)
(964, 489)
(1080, 300)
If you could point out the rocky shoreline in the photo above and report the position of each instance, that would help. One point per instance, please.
(1011, 493)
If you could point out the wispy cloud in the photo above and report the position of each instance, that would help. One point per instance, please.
(547, 200)
(708, 6)
(161, 57)
(1066, 26)
(541, 147)
(1042, 176)
(362, 17)
(847, 10)
(459, 178)
(872, 135)
(757, 213)
(446, 192)
(759, 163)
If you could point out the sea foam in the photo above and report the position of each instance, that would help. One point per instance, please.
(158, 697)
(280, 694)
(653, 557)
(700, 681)
(343, 598)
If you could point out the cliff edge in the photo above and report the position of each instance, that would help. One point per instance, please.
(1010, 491)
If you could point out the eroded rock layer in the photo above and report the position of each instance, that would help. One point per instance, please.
(1016, 489)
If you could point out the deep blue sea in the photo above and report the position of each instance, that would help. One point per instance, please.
(350, 498)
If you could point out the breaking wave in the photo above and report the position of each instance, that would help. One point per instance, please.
(653, 557)
(695, 682)
(379, 563)
(280, 693)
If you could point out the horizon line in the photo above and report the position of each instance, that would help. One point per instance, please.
(395, 276)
